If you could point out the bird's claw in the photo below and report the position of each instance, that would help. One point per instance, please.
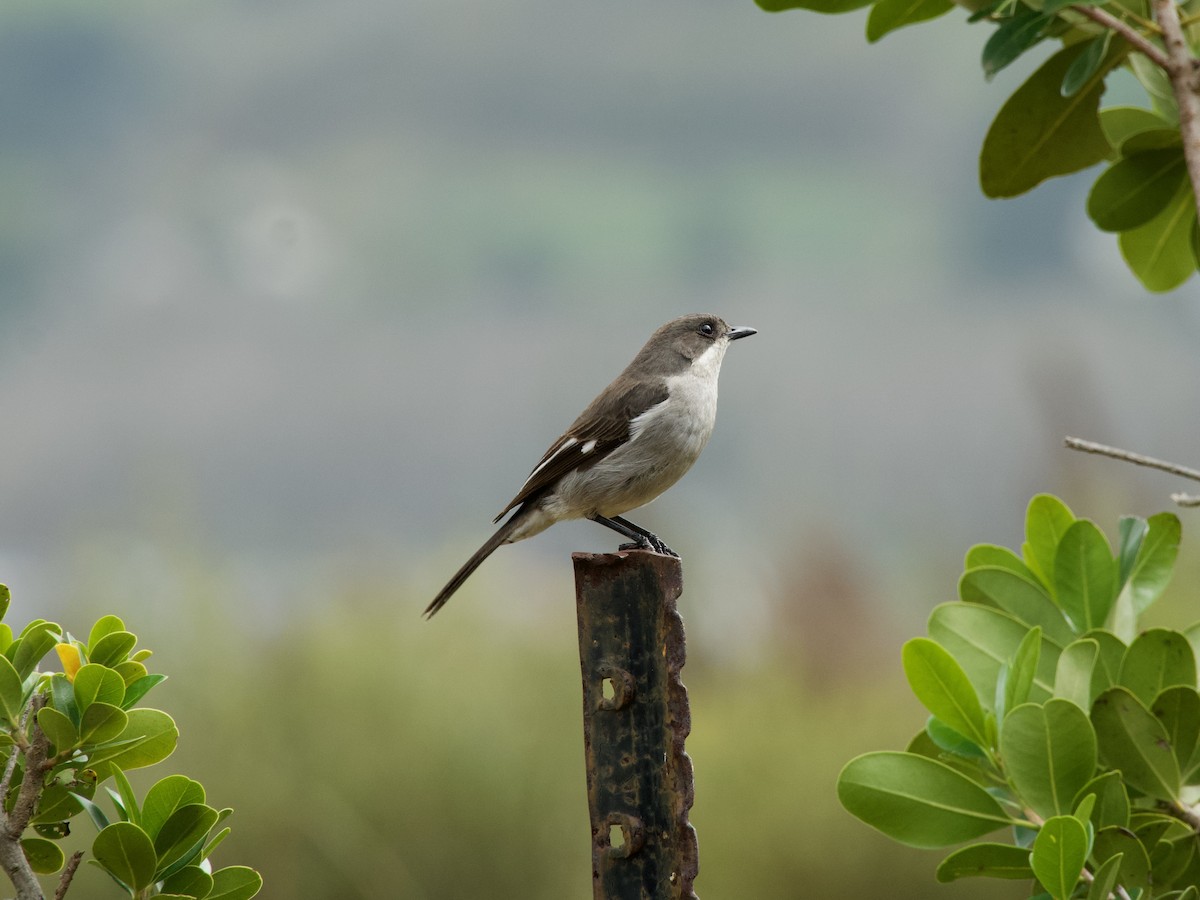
(652, 543)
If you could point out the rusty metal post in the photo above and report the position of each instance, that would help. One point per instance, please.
(635, 720)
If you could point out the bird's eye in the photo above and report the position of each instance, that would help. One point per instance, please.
(707, 329)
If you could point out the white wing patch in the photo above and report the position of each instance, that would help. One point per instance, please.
(586, 448)
(566, 445)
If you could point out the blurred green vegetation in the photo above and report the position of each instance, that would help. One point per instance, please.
(370, 754)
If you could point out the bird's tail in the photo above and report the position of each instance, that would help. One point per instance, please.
(472, 564)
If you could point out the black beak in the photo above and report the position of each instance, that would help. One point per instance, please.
(740, 331)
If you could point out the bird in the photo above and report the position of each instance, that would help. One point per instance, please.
(635, 440)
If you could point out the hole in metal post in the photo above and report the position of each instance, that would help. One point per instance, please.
(626, 835)
(616, 838)
(616, 687)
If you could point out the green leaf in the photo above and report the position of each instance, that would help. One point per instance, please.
(1073, 678)
(1083, 808)
(58, 728)
(62, 696)
(38, 639)
(1157, 86)
(126, 852)
(97, 683)
(1046, 520)
(1023, 599)
(215, 841)
(1107, 670)
(183, 832)
(141, 687)
(888, 15)
(1151, 827)
(11, 693)
(5, 599)
(190, 881)
(235, 883)
(56, 804)
(1086, 64)
(101, 723)
(1152, 569)
(1132, 532)
(1136, 189)
(1050, 754)
(983, 639)
(165, 797)
(1149, 141)
(95, 813)
(1178, 708)
(1039, 133)
(1156, 660)
(997, 557)
(1134, 871)
(950, 740)
(1160, 252)
(943, 687)
(1112, 800)
(987, 860)
(1015, 35)
(45, 857)
(917, 801)
(1168, 861)
(1059, 853)
(1120, 123)
(1105, 879)
(159, 736)
(1021, 670)
(126, 800)
(1133, 740)
(1085, 575)
(112, 649)
(104, 626)
(130, 672)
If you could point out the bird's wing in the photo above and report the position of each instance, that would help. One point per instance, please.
(599, 430)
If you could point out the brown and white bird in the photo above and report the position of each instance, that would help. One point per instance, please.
(635, 440)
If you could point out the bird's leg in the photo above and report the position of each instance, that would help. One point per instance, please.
(642, 539)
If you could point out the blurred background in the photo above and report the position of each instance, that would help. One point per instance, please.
(294, 294)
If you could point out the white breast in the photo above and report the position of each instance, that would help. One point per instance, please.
(664, 442)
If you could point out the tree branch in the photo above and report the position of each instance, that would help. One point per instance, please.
(1140, 460)
(68, 873)
(1135, 38)
(12, 824)
(1183, 70)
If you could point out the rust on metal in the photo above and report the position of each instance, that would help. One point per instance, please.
(635, 721)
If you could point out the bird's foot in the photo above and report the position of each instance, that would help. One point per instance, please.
(652, 543)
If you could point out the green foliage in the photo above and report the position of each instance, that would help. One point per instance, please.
(1085, 743)
(1053, 124)
(81, 728)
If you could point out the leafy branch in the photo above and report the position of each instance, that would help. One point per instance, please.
(1053, 715)
(62, 735)
(1054, 124)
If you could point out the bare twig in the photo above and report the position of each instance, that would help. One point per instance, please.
(1183, 70)
(1139, 459)
(1136, 39)
(68, 873)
